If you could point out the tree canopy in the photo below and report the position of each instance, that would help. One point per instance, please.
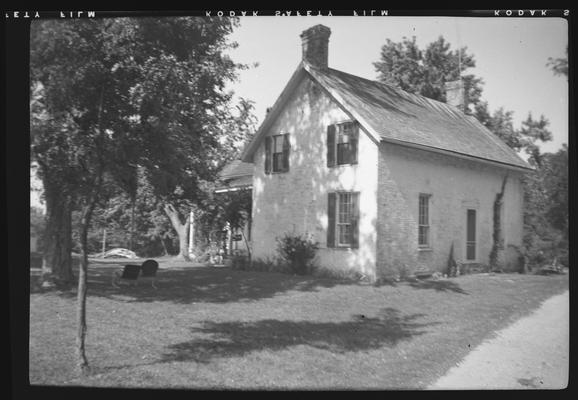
(405, 65)
(112, 97)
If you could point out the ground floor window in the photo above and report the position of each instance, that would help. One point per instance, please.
(423, 221)
(343, 215)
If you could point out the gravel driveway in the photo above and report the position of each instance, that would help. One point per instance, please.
(532, 353)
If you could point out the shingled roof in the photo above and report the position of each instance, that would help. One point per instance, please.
(235, 175)
(392, 115)
(399, 116)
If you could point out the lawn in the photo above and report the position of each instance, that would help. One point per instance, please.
(215, 328)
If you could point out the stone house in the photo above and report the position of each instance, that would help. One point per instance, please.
(386, 181)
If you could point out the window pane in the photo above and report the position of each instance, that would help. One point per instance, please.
(423, 220)
(344, 208)
(471, 226)
(343, 153)
(344, 218)
(423, 210)
(471, 251)
(278, 147)
(423, 235)
(345, 234)
(277, 162)
(343, 138)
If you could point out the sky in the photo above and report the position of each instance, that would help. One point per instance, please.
(510, 54)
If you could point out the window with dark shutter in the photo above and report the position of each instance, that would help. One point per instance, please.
(342, 140)
(280, 148)
(343, 227)
(331, 146)
(268, 141)
(286, 149)
(355, 220)
(331, 200)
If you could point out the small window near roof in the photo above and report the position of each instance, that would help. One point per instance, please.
(277, 153)
(342, 143)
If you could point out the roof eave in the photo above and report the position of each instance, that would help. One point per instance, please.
(249, 151)
(494, 163)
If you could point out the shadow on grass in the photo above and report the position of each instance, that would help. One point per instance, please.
(196, 284)
(235, 339)
(440, 286)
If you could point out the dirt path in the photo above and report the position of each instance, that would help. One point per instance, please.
(532, 353)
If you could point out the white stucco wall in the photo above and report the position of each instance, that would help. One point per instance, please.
(296, 201)
(455, 185)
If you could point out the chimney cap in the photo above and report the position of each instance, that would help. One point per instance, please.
(316, 30)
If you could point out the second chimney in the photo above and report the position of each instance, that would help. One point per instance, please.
(455, 94)
(315, 43)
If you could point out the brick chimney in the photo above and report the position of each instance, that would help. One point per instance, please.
(455, 94)
(315, 43)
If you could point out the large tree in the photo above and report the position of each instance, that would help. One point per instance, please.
(116, 95)
(425, 71)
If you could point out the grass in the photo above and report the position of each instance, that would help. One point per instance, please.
(209, 328)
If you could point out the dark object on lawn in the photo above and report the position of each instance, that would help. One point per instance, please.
(131, 273)
(553, 268)
(148, 271)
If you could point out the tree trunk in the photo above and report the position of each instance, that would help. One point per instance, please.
(131, 241)
(496, 256)
(82, 362)
(165, 251)
(57, 254)
(182, 230)
(87, 211)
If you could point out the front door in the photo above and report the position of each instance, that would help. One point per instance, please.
(471, 235)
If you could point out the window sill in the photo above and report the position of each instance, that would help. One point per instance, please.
(425, 249)
(341, 248)
(343, 165)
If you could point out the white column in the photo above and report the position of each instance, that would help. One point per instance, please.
(228, 246)
(191, 232)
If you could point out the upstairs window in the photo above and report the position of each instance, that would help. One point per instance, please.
(342, 143)
(277, 153)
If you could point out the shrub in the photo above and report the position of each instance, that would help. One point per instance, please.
(298, 251)
(348, 275)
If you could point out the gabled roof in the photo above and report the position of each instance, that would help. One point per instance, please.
(235, 169)
(235, 175)
(393, 115)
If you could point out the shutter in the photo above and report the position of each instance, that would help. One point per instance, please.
(268, 155)
(331, 219)
(355, 220)
(331, 146)
(354, 139)
(286, 149)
